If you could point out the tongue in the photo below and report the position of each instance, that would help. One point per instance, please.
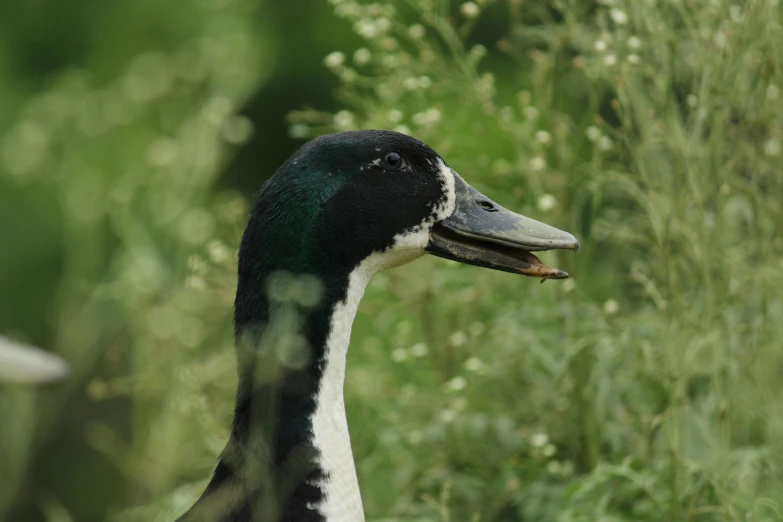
(536, 268)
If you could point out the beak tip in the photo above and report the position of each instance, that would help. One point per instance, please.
(567, 243)
(572, 244)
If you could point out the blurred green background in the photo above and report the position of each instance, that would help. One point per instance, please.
(646, 387)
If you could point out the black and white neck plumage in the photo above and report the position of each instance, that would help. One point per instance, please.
(342, 208)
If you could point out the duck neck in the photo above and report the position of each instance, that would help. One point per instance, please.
(289, 455)
(342, 500)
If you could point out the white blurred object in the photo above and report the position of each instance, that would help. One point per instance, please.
(22, 363)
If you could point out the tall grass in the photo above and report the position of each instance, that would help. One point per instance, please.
(644, 388)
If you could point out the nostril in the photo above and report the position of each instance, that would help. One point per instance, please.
(486, 205)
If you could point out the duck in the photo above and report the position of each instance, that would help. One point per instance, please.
(342, 208)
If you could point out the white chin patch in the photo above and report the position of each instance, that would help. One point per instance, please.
(410, 244)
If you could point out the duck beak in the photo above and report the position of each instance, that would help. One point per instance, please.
(482, 233)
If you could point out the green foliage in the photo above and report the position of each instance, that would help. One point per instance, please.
(644, 388)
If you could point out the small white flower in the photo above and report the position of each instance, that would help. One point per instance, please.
(537, 163)
(162, 152)
(772, 147)
(366, 28)
(299, 131)
(605, 143)
(416, 31)
(506, 114)
(362, 56)
(549, 450)
(195, 282)
(457, 383)
(348, 75)
(430, 116)
(543, 137)
(218, 252)
(334, 60)
(344, 120)
(237, 129)
(394, 116)
(719, 39)
(410, 83)
(477, 52)
(399, 354)
(197, 265)
(539, 440)
(619, 16)
(458, 338)
(415, 437)
(419, 350)
(568, 285)
(593, 133)
(611, 307)
(424, 82)
(610, 60)
(383, 24)
(447, 416)
(547, 202)
(347, 10)
(469, 10)
(531, 113)
(633, 58)
(390, 61)
(477, 328)
(634, 43)
(600, 46)
(402, 129)
(474, 364)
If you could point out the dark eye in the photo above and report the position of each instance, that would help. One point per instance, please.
(393, 161)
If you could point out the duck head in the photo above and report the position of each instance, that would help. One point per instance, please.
(384, 198)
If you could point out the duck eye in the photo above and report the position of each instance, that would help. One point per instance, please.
(393, 161)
